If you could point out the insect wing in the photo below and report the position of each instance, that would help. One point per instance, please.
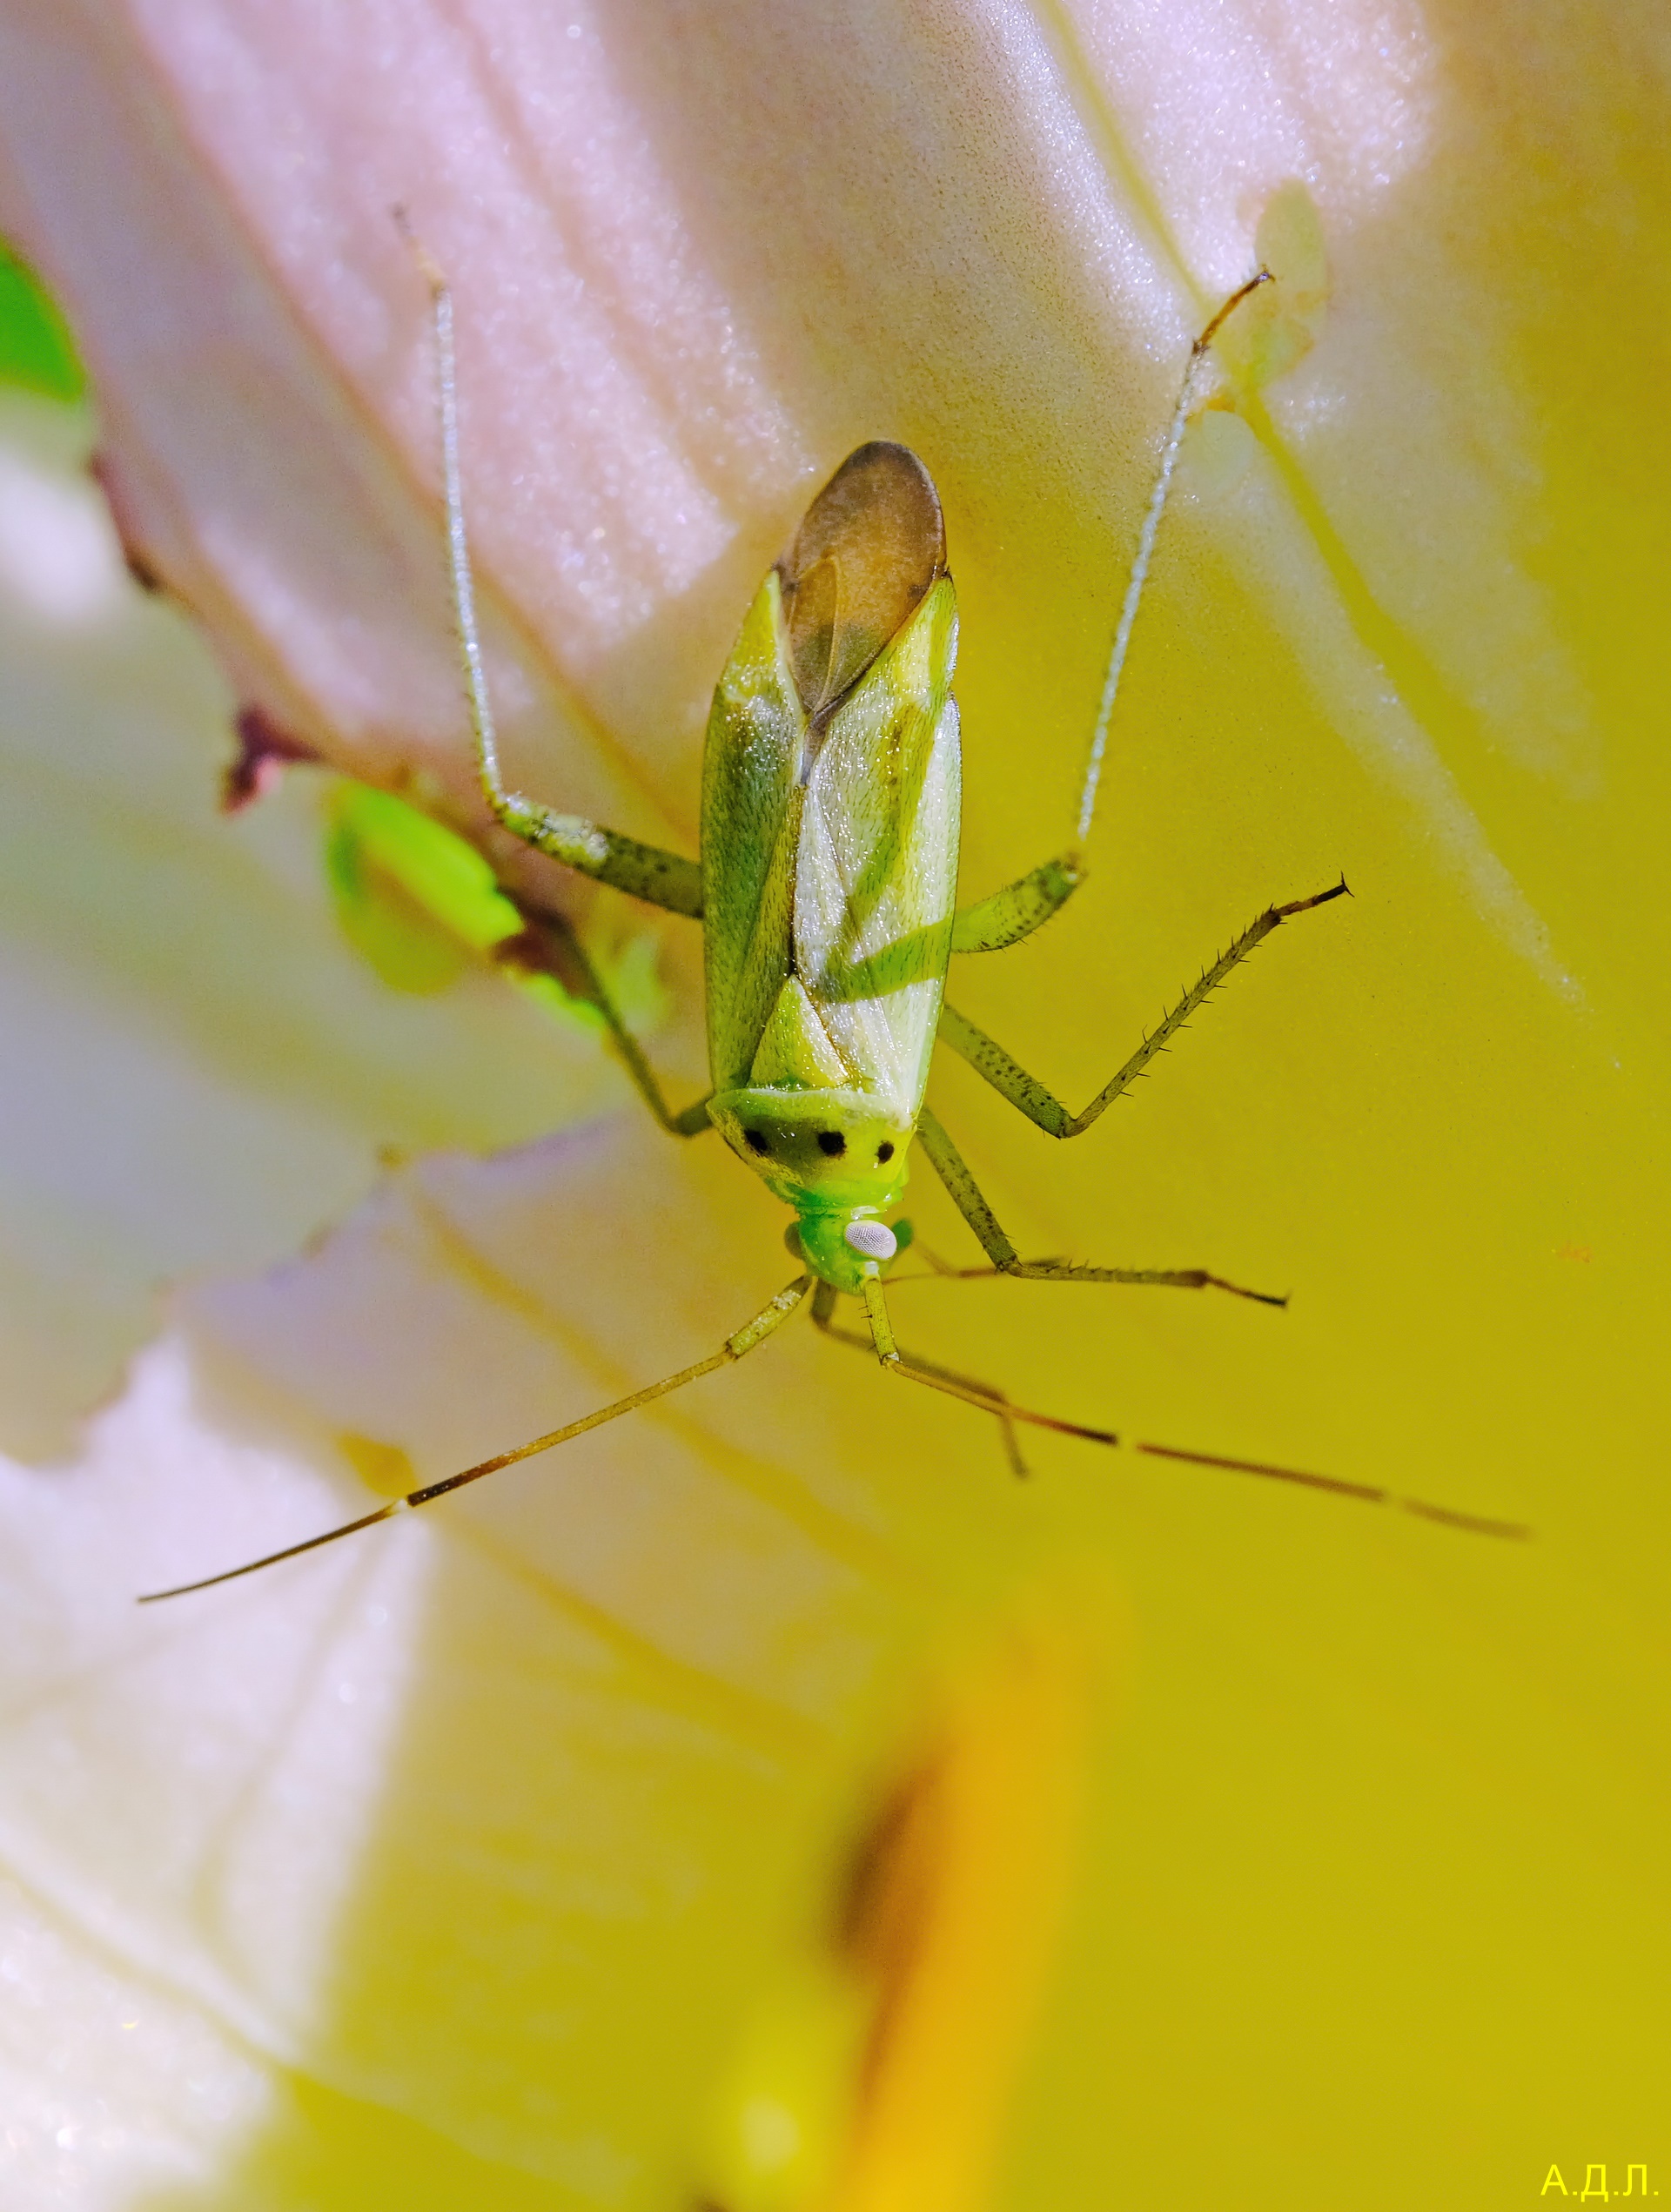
(833, 651)
(751, 808)
(876, 876)
(870, 548)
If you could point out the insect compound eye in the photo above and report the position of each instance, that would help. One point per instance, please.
(875, 1240)
(833, 1142)
(884, 1153)
(755, 1141)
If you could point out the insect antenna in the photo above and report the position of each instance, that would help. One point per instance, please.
(769, 1318)
(1146, 545)
(991, 1401)
(1365, 1493)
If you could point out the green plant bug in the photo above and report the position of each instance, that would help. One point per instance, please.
(827, 892)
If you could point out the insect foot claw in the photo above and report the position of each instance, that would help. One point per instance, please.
(1240, 1290)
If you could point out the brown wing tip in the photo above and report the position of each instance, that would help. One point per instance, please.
(880, 487)
(869, 547)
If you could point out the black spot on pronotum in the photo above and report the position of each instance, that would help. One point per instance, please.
(755, 1141)
(884, 1153)
(833, 1142)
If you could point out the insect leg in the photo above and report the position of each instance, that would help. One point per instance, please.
(956, 1385)
(823, 1307)
(1014, 912)
(1009, 915)
(1028, 1095)
(1153, 514)
(769, 1318)
(645, 872)
(550, 945)
(953, 1170)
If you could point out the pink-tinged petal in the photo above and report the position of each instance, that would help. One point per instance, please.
(200, 1073)
(670, 328)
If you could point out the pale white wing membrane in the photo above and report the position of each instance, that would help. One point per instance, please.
(876, 868)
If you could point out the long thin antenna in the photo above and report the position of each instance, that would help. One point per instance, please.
(1146, 545)
(1475, 1524)
(755, 1332)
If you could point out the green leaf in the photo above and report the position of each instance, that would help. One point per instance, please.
(37, 351)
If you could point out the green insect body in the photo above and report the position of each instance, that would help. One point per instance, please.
(830, 799)
(827, 889)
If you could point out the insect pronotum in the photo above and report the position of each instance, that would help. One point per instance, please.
(827, 892)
